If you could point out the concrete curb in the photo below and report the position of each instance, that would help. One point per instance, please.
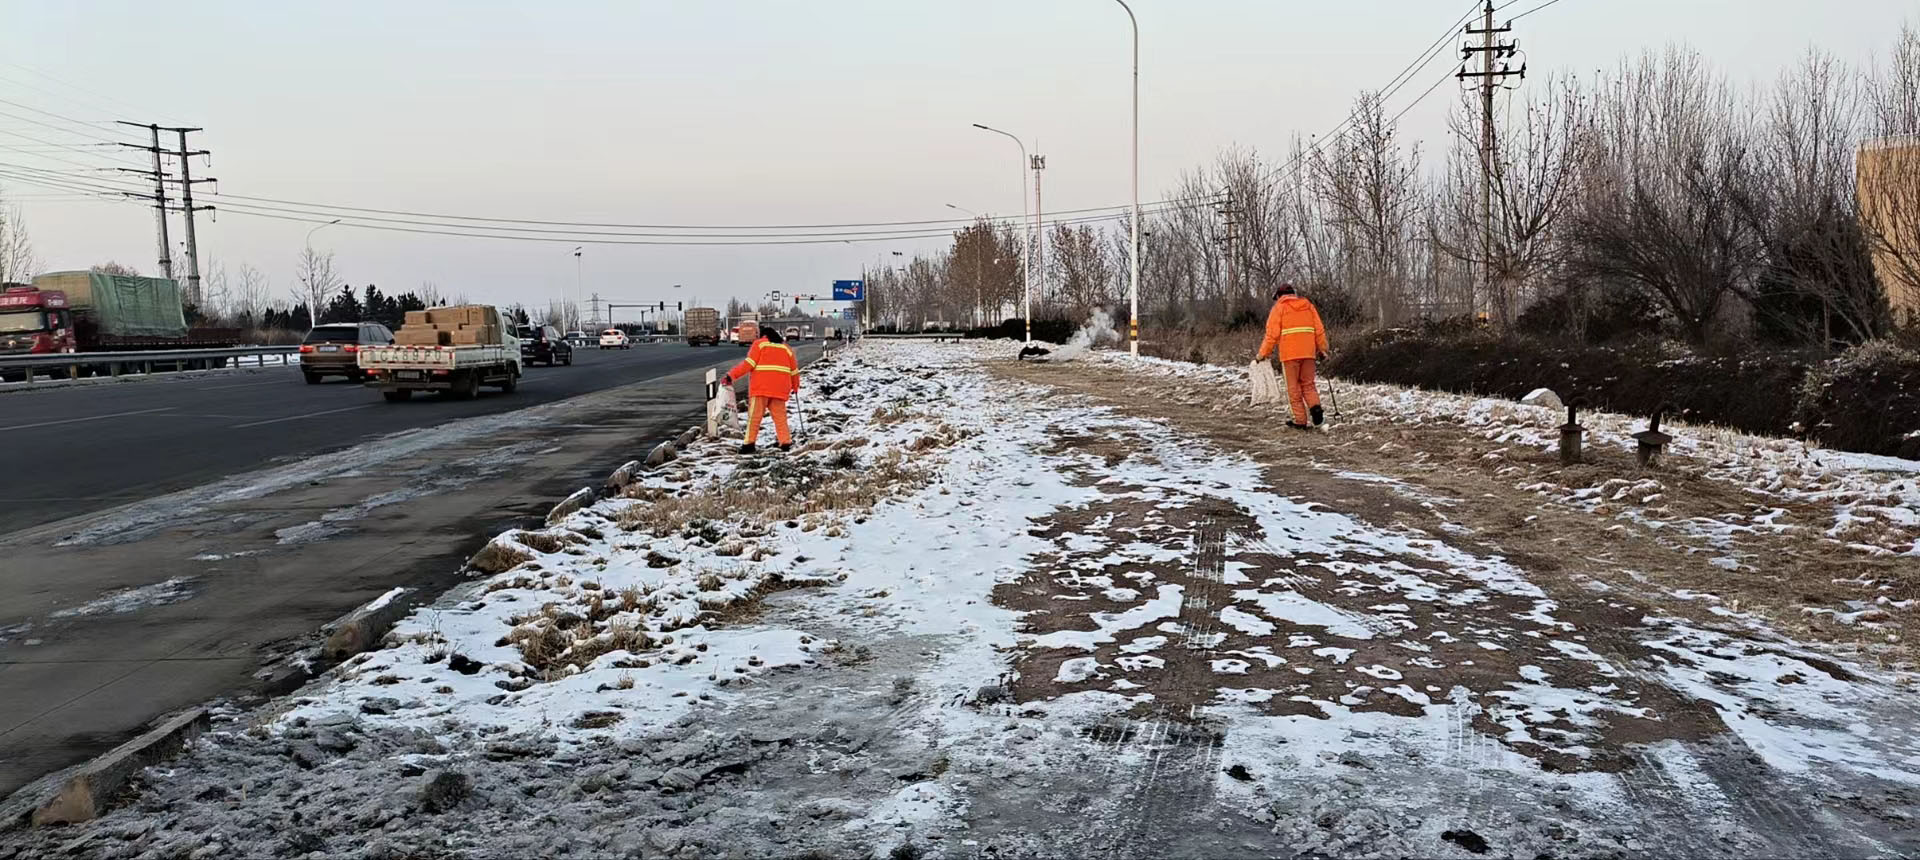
(623, 476)
(362, 628)
(578, 499)
(84, 792)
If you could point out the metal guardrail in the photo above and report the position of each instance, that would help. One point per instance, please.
(931, 335)
(63, 365)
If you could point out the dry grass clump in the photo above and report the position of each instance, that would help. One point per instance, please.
(498, 557)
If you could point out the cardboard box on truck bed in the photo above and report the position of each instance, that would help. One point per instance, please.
(421, 337)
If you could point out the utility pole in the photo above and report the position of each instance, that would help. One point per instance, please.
(1038, 163)
(159, 196)
(186, 206)
(1490, 78)
(1230, 211)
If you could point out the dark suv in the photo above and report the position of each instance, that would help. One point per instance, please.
(543, 343)
(333, 349)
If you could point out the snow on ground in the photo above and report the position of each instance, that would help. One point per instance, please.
(1874, 501)
(974, 617)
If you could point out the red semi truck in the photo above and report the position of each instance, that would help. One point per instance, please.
(98, 312)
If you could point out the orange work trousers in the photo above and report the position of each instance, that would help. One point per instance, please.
(1301, 392)
(759, 406)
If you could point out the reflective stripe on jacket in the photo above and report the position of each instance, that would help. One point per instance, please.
(773, 368)
(1294, 327)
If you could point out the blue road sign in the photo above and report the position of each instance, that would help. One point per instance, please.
(849, 291)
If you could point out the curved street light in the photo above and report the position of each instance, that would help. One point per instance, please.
(1026, 256)
(1133, 283)
(313, 311)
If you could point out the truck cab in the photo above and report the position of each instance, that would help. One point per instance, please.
(34, 321)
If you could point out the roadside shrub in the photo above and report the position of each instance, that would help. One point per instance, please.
(1753, 392)
(1866, 400)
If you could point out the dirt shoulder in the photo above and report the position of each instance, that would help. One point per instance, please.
(1789, 569)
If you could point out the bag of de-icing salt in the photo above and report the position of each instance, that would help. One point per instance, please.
(723, 411)
(1265, 386)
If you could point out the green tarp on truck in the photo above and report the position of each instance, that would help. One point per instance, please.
(122, 305)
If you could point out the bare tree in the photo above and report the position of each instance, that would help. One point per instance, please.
(1082, 271)
(1367, 182)
(984, 264)
(1893, 92)
(315, 281)
(248, 300)
(1664, 201)
(1889, 175)
(1535, 166)
(17, 260)
(1819, 286)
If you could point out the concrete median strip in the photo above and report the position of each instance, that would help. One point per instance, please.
(362, 628)
(84, 792)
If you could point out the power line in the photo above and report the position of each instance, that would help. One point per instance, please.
(1529, 11)
(1110, 211)
(93, 132)
(117, 105)
(1400, 80)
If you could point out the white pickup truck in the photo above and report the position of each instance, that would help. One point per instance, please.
(398, 371)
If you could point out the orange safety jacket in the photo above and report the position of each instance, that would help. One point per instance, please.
(775, 370)
(1294, 326)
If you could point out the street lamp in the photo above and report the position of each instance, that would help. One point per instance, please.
(313, 311)
(573, 307)
(1133, 284)
(1026, 258)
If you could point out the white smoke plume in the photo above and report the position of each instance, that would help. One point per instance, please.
(1098, 329)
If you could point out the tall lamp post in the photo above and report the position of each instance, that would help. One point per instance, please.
(313, 311)
(579, 287)
(1026, 256)
(1133, 284)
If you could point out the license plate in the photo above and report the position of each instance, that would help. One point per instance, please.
(329, 348)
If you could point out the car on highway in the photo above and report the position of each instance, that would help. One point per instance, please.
(614, 338)
(543, 344)
(333, 349)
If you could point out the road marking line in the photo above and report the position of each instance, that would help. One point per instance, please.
(88, 418)
(298, 417)
(247, 385)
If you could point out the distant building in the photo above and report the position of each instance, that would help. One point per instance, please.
(1887, 175)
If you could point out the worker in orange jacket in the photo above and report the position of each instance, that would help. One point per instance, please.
(774, 376)
(1295, 330)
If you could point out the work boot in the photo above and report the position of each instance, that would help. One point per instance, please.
(1319, 415)
(747, 448)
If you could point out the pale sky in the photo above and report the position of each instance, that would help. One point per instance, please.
(740, 112)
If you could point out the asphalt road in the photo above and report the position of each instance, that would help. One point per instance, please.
(151, 585)
(85, 448)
